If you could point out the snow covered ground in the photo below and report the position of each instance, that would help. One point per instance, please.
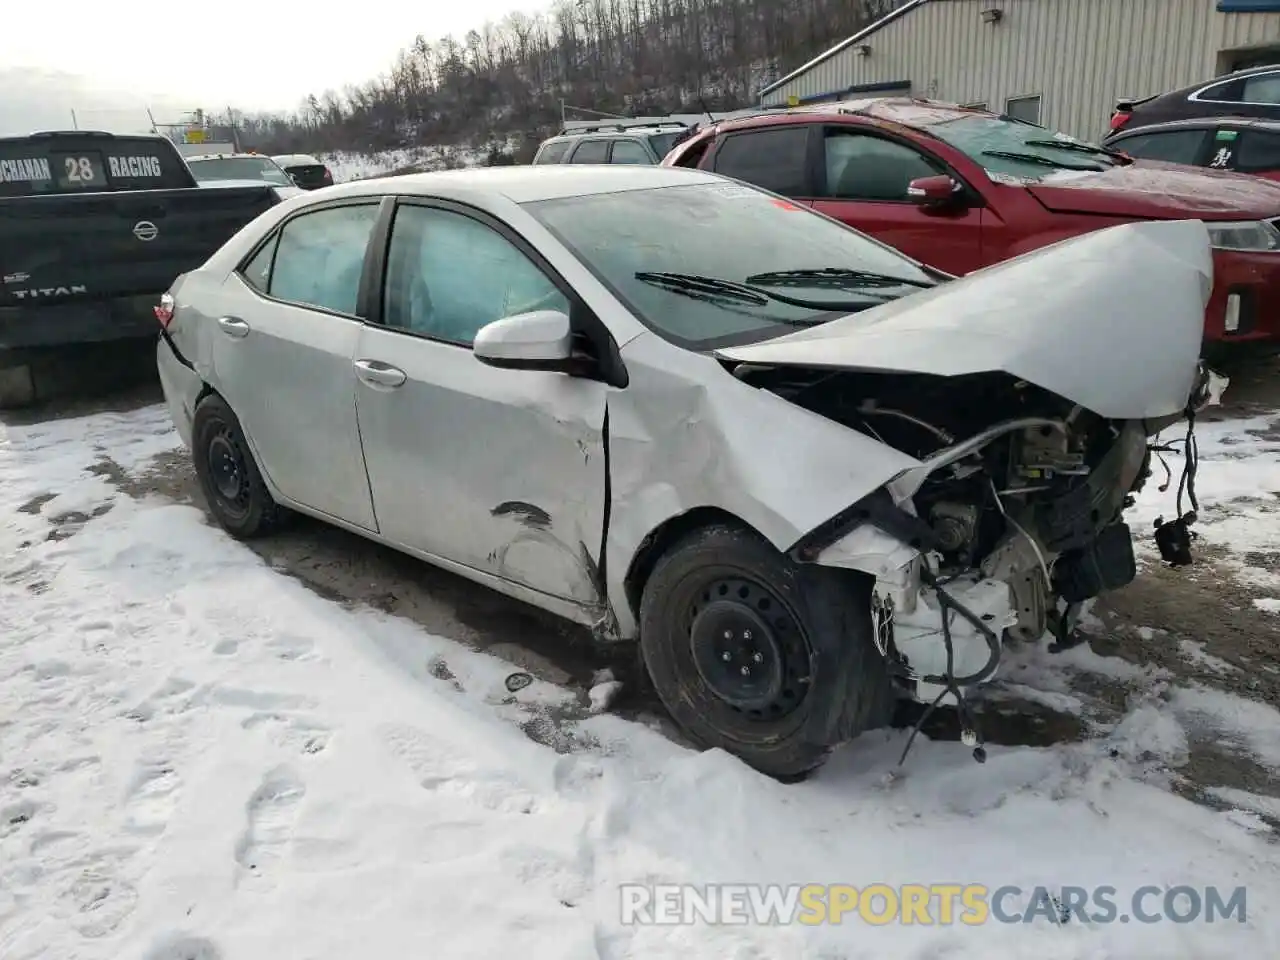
(361, 166)
(201, 759)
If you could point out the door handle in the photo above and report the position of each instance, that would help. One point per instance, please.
(379, 374)
(233, 326)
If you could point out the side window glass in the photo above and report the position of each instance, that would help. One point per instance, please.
(694, 156)
(552, 152)
(320, 257)
(628, 151)
(1232, 91)
(591, 151)
(774, 159)
(861, 167)
(1175, 146)
(448, 275)
(257, 272)
(1257, 152)
(1263, 88)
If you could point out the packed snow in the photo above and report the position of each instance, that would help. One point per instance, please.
(200, 759)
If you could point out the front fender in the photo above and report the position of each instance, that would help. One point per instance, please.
(686, 434)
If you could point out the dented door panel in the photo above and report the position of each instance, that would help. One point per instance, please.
(502, 471)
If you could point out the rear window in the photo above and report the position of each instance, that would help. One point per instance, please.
(663, 142)
(552, 152)
(240, 168)
(70, 163)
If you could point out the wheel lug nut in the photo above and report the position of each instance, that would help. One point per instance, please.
(726, 656)
(746, 671)
(746, 634)
(728, 634)
(757, 657)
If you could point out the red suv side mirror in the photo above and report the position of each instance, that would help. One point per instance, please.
(933, 191)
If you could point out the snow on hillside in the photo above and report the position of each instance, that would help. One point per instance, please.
(346, 165)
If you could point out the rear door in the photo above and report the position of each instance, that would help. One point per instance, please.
(282, 350)
(593, 150)
(630, 151)
(863, 182)
(1258, 152)
(1194, 146)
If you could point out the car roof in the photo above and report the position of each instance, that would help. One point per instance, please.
(905, 111)
(608, 134)
(1199, 123)
(228, 156)
(297, 159)
(529, 183)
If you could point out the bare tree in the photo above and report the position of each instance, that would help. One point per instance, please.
(505, 82)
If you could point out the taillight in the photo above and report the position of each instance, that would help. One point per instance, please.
(1120, 118)
(164, 310)
(327, 178)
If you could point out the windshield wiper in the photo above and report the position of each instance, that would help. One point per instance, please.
(704, 288)
(1043, 161)
(689, 283)
(1078, 148)
(836, 277)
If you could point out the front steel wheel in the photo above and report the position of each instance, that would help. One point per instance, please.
(733, 634)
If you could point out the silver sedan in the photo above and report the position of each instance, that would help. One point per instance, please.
(808, 474)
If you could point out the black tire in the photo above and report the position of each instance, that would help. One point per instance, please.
(232, 484)
(720, 575)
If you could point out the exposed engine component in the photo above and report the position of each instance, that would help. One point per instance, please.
(1010, 521)
(956, 526)
(1044, 453)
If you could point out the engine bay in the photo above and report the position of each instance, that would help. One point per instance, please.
(1021, 506)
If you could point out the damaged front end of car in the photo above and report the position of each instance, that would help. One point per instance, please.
(1028, 455)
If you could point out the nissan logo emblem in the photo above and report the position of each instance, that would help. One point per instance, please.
(146, 231)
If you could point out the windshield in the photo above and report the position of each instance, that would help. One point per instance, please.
(725, 232)
(240, 168)
(1023, 150)
(663, 142)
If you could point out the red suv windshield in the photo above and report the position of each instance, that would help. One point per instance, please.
(1010, 148)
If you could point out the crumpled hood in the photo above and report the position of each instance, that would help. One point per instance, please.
(1111, 320)
(1149, 188)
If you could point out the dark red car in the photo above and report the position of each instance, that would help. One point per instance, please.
(961, 189)
(1220, 143)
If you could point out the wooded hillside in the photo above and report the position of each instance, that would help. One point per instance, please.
(507, 80)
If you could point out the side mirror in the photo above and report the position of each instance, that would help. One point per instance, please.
(933, 191)
(540, 340)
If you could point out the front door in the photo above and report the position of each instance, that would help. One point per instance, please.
(282, 358)
(866, 178)
(502, 471)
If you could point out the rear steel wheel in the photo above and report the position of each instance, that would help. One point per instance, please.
(232, 484)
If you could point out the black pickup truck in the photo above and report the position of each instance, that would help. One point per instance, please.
(94, 227)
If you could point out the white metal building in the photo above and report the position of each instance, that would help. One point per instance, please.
(1063, 63)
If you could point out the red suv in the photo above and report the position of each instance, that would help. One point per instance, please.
(960, 189)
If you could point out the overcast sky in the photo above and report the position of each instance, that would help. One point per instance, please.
(249, 54)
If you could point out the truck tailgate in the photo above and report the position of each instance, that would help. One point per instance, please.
(58, 249)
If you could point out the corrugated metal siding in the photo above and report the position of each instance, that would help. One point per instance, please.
(1078, 55)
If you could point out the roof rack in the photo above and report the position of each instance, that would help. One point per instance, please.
(603, 125)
